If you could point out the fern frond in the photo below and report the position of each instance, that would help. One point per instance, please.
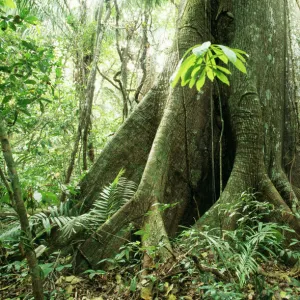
(11, 234)
(246, 262)
(111, 199)
(74, 224)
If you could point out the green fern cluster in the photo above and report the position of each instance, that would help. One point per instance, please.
(112, 197)
(109, 202)
(238, 254)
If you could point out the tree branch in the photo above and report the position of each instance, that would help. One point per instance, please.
(106, 78)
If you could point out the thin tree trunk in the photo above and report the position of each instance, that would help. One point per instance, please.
(123, 55)
(145, 46)
(18, 203)
(90, 88)
(5, 182)
(88, 94)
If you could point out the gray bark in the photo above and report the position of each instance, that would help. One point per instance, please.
(177, 150)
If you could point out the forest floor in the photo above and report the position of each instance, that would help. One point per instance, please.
(272, 281)
(258, 260)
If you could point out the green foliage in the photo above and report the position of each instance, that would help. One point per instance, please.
(201, 61)
(25, 75)
(221, 291)
(93, 273)
(110, 200)
(10, 233)
(50, 267)
(237, 254)
(213, 265)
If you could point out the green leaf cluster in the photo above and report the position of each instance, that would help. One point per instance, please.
(201, 61)
(25, 74)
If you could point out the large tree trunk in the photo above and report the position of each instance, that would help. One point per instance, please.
(170, 144)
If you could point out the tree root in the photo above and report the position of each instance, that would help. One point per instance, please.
(285, 189)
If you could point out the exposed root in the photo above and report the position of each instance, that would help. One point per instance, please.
(109, 236)
(286, 216)
(285, 189)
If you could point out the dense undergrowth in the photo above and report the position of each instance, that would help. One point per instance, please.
(255, 261)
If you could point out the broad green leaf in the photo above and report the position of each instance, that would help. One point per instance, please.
(199, 51)
(175, 76)
(46, 100)
(133, 284)
(229, 53)
(222, 77)
(12, 26)
(5, 69)
(46, 78)
(240, 66)
(31, 20)
(3, 25)
(28, 45)
(25, 111)
(189, 62)
(140, 232)
(210, 74)
(241, 57)
(30, 81)
(240, 51)
(43, 66)
(195, 71)
(9, 3)
(24, 101)
(188, 51)
(201, 81)
(220, 54)
(58, 72)
(46, 268)
(192, 82)
(194, 76)
(42, 106)
(6, 99)
(180, 69)
(211, 58)
(17, 19)
(224, 70)
(186, 76)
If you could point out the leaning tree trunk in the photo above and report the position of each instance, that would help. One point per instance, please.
(169, 145)
(26, 241)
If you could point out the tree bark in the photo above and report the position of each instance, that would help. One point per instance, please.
(174, 154)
